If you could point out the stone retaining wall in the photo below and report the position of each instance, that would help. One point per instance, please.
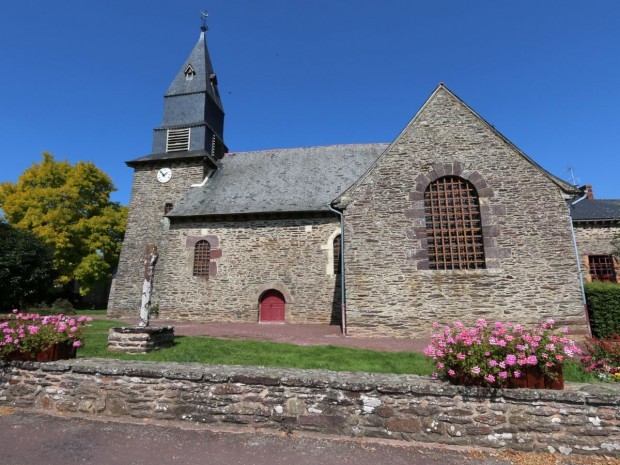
(583, 419)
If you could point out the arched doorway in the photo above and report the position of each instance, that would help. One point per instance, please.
(272, 307)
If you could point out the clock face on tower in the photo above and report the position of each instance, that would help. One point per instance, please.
(164, 175)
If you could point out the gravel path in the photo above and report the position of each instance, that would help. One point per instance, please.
(300, 334)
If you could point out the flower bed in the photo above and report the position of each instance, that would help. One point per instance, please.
(30, 336)
(603, 357)
(501, 354)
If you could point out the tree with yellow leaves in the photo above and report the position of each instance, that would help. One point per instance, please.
(69, 208)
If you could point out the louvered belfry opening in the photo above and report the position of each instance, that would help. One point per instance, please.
(602, 268)
(178, 139)
(202, 256)
(453, 225)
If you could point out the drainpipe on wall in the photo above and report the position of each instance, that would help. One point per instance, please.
(572, 231)
(343, 299)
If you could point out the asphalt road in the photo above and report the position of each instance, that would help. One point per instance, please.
(28, 438)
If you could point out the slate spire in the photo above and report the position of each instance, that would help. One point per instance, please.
(193, 117)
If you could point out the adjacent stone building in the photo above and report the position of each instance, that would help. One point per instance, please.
(597, 224)
(448, 222)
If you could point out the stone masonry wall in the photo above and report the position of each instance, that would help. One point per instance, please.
(595, 239)
(247, 259)
(146, 224)
(531, 272)
(585, 419)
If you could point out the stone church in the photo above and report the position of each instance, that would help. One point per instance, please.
(450, 221)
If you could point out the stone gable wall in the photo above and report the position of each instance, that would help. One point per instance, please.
(248, 258)
(146, 224)
(531, 272)
(584, 419)
(595, 239)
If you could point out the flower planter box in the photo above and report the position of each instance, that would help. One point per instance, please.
(52, 353)
(531, 377)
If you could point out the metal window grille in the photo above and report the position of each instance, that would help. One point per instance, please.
(337, 257)
(453, 225)
(178, 140)
(202, 255)
(602, 268)
(168, 208)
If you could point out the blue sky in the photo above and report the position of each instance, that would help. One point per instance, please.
(84, 80)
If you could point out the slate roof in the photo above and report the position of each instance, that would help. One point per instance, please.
(201, 62)
(284, 180)
(155, 157)
(596, 210)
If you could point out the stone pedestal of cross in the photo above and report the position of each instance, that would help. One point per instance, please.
(142, 338)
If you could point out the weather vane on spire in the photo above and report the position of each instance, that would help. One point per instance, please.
(203, 17)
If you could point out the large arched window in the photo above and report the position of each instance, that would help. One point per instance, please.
(453, 225)
(202, 256)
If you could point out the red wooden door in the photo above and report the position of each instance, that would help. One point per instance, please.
(272, 306)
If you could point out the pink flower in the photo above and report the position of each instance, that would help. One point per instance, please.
(511, 359)
(451, 373)
(77, 343)
(503, 374)
(517, 374)
(490, 378)
(492, 363)
(475, 370)
(460, 356)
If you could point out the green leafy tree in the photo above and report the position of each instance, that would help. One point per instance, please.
(69, 208)
(26, 268)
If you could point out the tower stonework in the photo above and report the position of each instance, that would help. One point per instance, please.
(186, 146)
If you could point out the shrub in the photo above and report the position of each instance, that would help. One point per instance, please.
(26, 268)
(33, 333)
(603, 357)
(604, 307)
(492, 354)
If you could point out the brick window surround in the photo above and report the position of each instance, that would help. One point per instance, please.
(491, 213)
(453, 225)
(203, 254)
(601, 268)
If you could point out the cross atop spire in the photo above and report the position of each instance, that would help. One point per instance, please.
(203, 17)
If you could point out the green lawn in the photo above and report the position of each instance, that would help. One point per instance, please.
(239, 352)
(271, 354)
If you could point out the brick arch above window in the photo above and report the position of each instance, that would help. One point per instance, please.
(491, 211)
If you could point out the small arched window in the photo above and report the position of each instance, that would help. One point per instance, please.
(337, 252)
(453, 225)
(202, 257)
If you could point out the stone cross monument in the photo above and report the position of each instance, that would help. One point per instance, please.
(150, 258)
